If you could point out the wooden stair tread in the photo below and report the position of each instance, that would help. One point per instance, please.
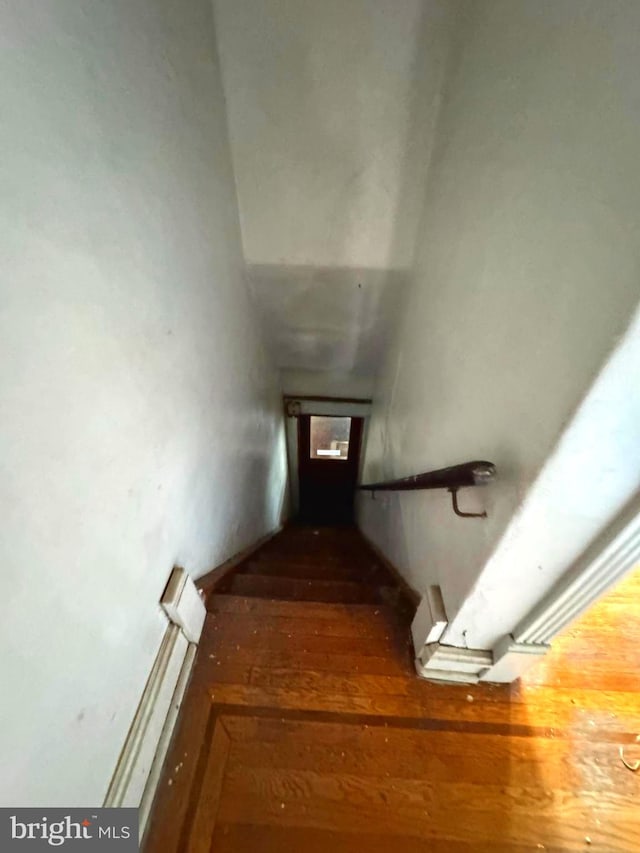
(230, 603)
(306, 590)
(344, 658)
(314, 642)
(364, 626)
(304, 555)
(321, 570)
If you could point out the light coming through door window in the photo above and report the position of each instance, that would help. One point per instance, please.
(330, 438)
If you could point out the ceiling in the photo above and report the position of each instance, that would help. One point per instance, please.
(321, 101)
(335, 319)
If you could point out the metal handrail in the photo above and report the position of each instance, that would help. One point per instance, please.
(476, 473)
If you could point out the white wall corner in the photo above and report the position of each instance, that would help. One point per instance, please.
(449, 663)
(430, 620)
(512, 659)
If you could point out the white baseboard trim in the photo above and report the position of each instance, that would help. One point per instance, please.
(165, 738)
(448, 663)
(137, 757)
(136, 775)
(208, 581)
(430, 621)
(512, 659)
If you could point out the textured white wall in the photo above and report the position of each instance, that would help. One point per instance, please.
(526, 275)
(141, 424)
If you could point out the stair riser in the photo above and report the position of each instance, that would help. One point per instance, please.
(301, 590)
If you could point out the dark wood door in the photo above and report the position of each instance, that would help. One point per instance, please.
(328, 457)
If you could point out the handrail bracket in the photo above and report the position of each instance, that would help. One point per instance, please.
(458, 511)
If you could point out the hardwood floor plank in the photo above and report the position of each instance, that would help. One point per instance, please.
(173, 797)
(462, 812)
(306, 729)
(261, 838)
(396, 697)
(200, 829)
(439, 756)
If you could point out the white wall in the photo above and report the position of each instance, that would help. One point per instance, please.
(526, 274)
(588, 479)
(141, 424)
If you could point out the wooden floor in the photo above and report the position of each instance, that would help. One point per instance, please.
(306, 730)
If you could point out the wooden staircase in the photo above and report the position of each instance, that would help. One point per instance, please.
(285, 631)
(306, 730)
(331, 565)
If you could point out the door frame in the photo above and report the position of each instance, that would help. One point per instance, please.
(329, 406)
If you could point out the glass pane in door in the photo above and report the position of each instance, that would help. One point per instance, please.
(330, 438)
